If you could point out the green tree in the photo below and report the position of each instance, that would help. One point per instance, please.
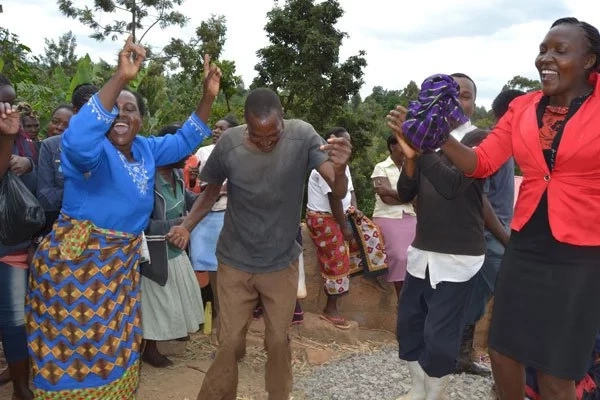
(521, 83)
(61, 53)
(143, 16)
(188, 57)
(230, 82)
(302, 62)
(482, 118)
(389, 99)
(410, 92)
(16, 60)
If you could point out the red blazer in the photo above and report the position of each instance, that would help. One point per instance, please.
(574, 184)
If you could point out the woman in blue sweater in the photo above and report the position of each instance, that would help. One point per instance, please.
(83, 319)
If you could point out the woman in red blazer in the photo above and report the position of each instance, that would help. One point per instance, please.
(547, 304)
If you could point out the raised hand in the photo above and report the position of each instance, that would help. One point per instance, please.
(9, 119)
(212, 77)
(178, 236)
(131, 58)
(339, 150)
(395, 118)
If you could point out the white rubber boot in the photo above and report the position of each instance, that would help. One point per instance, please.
(417, 376)
(301, 279)
(436, 387)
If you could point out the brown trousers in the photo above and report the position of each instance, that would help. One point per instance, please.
(238, 293)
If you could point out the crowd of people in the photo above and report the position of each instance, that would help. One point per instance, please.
(137, 228)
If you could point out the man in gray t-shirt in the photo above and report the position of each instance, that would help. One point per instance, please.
(260, 227)
(265, 163)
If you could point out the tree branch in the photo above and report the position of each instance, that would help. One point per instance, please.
(160, 17)
(150, 27)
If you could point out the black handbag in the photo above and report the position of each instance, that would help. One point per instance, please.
(157, 271)
(21, 215)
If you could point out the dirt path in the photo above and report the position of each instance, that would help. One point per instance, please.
(192, 359)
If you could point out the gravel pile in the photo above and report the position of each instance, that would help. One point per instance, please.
(379, 376)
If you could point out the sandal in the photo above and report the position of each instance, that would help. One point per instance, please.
(338, 322)
(298, 318)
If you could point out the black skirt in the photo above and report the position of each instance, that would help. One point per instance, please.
(547, 302)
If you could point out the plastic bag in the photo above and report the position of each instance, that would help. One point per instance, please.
(21, 215)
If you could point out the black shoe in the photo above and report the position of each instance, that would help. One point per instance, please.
(156, 360)
(465, 364)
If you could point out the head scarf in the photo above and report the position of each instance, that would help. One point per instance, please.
(434, 114)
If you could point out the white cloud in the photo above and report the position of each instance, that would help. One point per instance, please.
(491, 41)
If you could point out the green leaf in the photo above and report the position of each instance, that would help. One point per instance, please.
(134, 84)
(84, 73)
(1, 64)
(62, 80)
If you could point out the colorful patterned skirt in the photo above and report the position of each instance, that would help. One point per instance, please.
(332, 251)
(338, 259)
(367, 254)
(82, 310)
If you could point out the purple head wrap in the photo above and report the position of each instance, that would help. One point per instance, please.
(430, 118)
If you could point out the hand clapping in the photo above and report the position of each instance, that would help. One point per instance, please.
(395, 118)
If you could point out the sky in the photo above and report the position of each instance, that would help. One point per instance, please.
(489, 40)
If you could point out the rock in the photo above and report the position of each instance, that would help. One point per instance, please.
(318, 356)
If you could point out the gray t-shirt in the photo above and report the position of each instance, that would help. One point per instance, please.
(264, 194)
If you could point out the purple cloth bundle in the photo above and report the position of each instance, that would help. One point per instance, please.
(431, 118)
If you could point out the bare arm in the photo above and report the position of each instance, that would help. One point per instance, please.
(340, 216)
(385, 191)
(334, 169)
(212, 80)
(9, 126)
(130, 60)
(202, 206)
(338, 182)
(492, 223)
(6, 145)
(179, 235)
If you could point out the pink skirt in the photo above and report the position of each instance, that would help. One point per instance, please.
(398, 234)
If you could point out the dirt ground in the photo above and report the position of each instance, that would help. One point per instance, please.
(192, 359)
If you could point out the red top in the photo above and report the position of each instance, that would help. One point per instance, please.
(574, 184)
(192, 161)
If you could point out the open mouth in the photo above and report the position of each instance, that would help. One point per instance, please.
(548, 74)
(121, 128)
